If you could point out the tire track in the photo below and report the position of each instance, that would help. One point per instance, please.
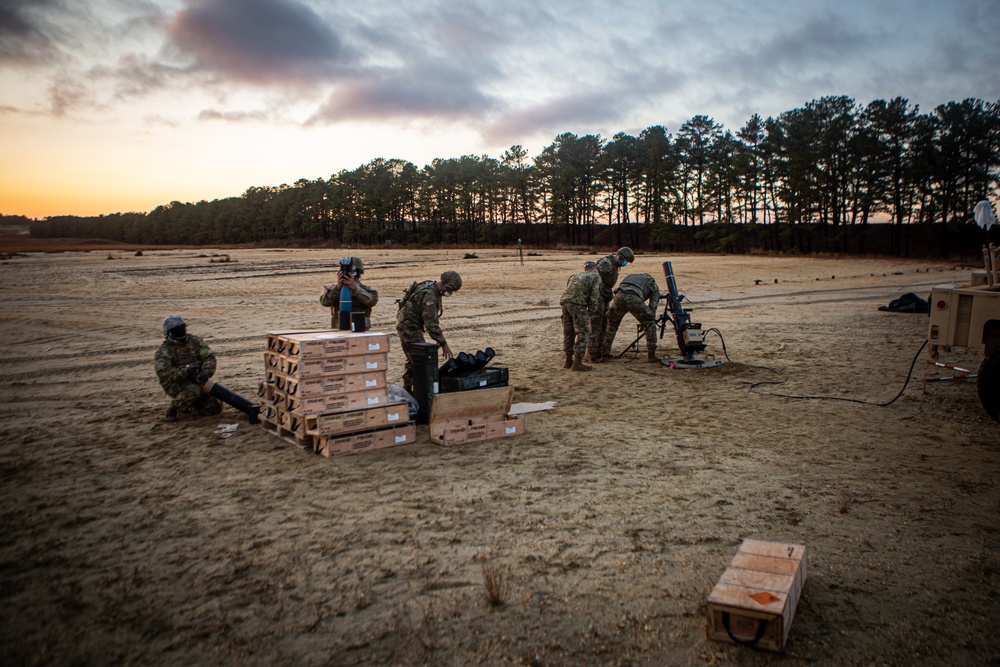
(104, 365)
(122, 350)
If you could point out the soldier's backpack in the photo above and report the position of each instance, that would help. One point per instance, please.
(410, 291)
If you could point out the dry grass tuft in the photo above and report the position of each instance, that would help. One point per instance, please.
(496, 582)
(845, 501)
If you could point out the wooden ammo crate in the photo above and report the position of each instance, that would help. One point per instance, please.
(755, 599)
(473, 416)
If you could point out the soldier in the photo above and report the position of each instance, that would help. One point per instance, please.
(608, 267)
(363, 298)
(638, 294)
(419, 310)
(183, 364)
(579, 304)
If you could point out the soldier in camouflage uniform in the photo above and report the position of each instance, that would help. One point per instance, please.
(363, 298)
(579, 303)
(419, 310)
(183, 363)
(638, 294)
(608, 267)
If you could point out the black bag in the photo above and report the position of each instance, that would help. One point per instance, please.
(908, 303)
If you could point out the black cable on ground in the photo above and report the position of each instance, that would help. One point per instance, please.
(784, 378)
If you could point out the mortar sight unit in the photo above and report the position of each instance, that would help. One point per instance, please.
(690, 336)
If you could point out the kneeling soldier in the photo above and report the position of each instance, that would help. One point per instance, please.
(183, 363)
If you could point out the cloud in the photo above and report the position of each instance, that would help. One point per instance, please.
(233, 116)
(66, 93)
(258, 41)
(438, 90)
(25, 33)
(586, 108)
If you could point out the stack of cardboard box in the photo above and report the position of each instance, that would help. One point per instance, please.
(326, 390)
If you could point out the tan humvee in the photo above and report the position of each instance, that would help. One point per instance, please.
(969, 316)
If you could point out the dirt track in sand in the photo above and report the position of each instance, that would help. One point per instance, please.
(128, 539)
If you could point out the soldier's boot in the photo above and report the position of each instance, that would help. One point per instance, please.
(651, 356)
(171, 415)
(578, 364)
(209, 408)
(569, 360)
(595, 357)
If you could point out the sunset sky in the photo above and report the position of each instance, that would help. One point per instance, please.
(122, 105)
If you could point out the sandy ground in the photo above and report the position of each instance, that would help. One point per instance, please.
(129, 540)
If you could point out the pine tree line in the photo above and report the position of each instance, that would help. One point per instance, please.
(811, 179)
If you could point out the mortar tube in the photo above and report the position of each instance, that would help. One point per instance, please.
(225, 395)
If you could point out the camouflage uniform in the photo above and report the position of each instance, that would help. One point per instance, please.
(419, 309)
(638, 294)
(363, 299)
(170, 360)
(607, 267)
(579, 302)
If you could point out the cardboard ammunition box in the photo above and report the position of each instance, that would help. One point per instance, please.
(355, 443)
(297, 438)
(494, 376)
(279, 416)
(338, 423)
(355, 400)
(278, 341)
(326, 343)
(473, 416)
(754, 602)
(274, 363)
(311, 387)
(339, 365)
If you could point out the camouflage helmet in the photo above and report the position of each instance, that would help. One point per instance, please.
(451, 281)
(358, 265)
(171, 322)
(589, 264)
(627, 254)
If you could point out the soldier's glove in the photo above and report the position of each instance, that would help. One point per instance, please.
(192, 371)
(202, 377)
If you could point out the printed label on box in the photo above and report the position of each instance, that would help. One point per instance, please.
(392, 416)
(374, 347)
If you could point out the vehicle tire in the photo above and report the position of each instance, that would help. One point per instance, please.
(988, 384)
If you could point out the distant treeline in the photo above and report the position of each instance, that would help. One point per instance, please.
(810, 180)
